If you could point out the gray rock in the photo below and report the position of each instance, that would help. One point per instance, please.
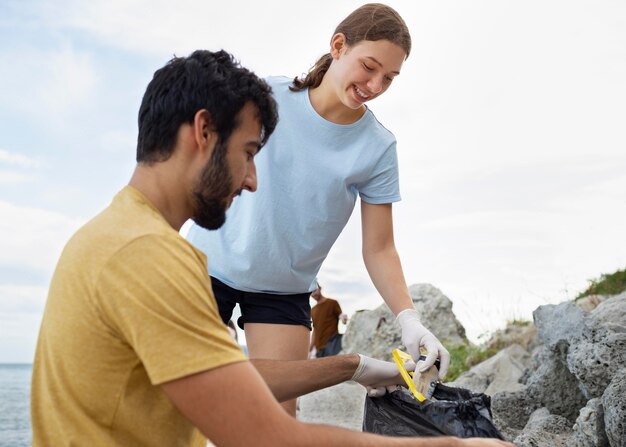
(590, 302)
(498, 373)
(340, 405)
(375, 333)
(589, 427)
(435, 311)
(554, 386)
(600, 350)
(545, 430)
(511, 411)
(614, 404)
(558, 322)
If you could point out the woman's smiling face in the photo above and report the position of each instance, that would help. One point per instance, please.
(363, 71)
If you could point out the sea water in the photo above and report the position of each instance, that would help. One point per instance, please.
(14, 405)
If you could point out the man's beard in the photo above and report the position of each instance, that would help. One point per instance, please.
(213, 190)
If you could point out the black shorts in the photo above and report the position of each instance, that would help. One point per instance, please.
(262, 307)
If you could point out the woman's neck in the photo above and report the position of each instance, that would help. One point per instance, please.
(326, 103)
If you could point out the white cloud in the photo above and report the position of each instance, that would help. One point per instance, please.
(33, 238)
(60, 84)
(13, 178)
(19, 160)
(22, 299)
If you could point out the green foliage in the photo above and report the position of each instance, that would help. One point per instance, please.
(521, 323)
(608, 284)
(463, 357)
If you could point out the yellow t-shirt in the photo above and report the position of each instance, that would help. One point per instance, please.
(130, 307)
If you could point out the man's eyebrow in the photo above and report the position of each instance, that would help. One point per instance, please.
(381, 65)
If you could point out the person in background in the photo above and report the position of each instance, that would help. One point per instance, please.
(328, 150)
(326, 314)
(131, 349)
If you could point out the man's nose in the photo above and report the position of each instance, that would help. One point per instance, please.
(250, 181)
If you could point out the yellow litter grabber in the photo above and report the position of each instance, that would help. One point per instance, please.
(427, 380)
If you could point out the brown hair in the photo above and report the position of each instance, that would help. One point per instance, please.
(373, 21)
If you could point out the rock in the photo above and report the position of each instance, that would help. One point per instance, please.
(600, 350)
(435, 311)
(524, 335)
(614, 404)
(511, 411)
(560, 322)
(589, 427)
(554, 386)
(375, 333)
(498, 373)
(545, 430)
(340, 405)
(590, 302)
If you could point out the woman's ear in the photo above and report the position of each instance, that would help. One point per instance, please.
(338, 45)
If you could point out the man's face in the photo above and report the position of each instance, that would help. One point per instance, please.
(229, 171)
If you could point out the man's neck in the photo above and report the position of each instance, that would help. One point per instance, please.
(161, 188)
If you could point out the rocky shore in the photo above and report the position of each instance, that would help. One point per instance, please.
(558, 382)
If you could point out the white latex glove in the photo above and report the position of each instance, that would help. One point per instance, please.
(377, 375)
(415, 335)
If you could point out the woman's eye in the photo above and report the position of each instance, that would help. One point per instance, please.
(367, 68)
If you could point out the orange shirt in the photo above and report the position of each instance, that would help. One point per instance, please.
(325, 316)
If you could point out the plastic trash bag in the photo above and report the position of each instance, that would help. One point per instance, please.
(451, 412)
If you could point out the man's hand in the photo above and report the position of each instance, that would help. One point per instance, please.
(415, 335)
(377, 375)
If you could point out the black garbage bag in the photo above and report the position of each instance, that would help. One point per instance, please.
(451, 412)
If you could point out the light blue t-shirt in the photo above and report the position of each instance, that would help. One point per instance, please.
(309, 175)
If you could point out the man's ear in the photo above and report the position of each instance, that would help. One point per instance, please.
(204, 134)
(337, 45)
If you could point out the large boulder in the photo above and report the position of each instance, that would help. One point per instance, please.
(435, 310)
(614, 404)
(558, 322)
(545, 430)
(340, 405)
(553, 385)
(375, 333)
(589, 427)
(511, 411)
(599, 351)
(498, 373)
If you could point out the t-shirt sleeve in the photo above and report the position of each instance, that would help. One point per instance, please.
(383, 184)
(155, 295)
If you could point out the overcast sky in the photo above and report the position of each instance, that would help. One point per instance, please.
(510, 120)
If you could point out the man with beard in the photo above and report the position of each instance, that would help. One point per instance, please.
(131, 350)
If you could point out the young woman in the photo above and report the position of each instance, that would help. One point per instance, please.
(327, 149)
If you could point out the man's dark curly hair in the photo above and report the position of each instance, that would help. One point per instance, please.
(214, 81)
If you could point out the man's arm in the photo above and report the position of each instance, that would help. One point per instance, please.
(289, 379)
(232, 406)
